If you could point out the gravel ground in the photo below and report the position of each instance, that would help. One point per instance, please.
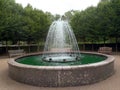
(6, 83)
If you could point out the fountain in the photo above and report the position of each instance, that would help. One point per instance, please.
(61, 43)
(61, 63)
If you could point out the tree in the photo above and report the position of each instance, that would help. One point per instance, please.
(98, 23)
(9, 13)
(115, 23)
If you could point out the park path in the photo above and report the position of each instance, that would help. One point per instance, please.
(6, 83)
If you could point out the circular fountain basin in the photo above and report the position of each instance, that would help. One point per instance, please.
(61, 75)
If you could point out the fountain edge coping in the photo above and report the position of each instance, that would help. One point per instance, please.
(109, 59)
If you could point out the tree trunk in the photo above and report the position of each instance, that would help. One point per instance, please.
(84, 44)
(92, 46)
(28, 48)
(104, 41)
(38, 48)
(84, 47)
(18, 44)
(116, 47)
(6, 46)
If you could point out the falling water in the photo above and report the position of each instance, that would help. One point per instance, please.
(61, 44)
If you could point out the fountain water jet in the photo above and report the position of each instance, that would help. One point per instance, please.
(61, 44)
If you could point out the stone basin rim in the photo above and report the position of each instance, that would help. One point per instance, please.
(109, 59)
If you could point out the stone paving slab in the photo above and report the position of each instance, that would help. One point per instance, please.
(6, 83)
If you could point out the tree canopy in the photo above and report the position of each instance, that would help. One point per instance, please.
(101, 23)
(22, 24)
(94, 24)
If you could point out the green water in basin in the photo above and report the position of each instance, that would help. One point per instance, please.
(37, 60)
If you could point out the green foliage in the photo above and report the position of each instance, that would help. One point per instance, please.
(95, 24)
(99, 23)
(22, 24)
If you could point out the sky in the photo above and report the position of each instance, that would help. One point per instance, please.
(59, 6)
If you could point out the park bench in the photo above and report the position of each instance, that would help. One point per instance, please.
(105, 50)
(16, 52)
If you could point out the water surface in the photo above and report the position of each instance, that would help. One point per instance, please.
(37, 60)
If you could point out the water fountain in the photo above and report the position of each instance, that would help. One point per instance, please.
(61, 63)
(61, 43)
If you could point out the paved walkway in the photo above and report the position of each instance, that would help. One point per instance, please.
(112, 83)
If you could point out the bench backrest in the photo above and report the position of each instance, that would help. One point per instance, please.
(16, 51)
(105, 49)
